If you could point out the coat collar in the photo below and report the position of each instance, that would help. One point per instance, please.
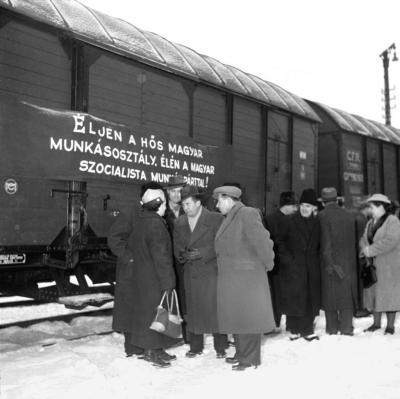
(202, 226)
(229, 218)
(300, 224)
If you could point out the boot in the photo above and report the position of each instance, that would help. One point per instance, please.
(152, 356)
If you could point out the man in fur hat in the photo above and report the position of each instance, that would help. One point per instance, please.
(300, 287)
(273, 223)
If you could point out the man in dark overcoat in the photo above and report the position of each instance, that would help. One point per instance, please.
(173, 212)
(244, 255)
(144, 271)
(194, 235)
(339, 264)
(299, 262)
(273, 223)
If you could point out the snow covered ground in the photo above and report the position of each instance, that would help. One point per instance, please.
(366, 366)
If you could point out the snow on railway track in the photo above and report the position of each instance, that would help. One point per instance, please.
(51, 324)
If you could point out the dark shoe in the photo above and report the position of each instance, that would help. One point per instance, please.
(138, 353)
(192, 354)
(232, 360)
(362, 313)
(294, 337)
(349, 334)
(221, 354)
(311, 337)
(372, 328)
(166, 356)
(153, 357)
(389, 330)
(242, 366)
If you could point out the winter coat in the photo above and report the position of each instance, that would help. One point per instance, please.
(385, 294)
(244, 255)
(200, 276)
(338, 247)
(144, 269)
(170, 218)
(299, 266)
(274, 223)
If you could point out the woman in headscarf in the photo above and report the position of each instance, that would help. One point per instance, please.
(144, 271)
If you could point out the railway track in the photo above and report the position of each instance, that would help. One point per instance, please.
(65, 317)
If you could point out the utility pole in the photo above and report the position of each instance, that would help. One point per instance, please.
(385, 59)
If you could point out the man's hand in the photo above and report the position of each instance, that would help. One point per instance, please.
(193, 254)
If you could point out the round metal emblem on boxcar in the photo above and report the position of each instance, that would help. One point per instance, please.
(10, 186)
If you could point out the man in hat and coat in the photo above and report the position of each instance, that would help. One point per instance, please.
(144, 272)
(173, 212)
(299, 268)
(244, 255)
(174, 207)
(273, 223)
(339, 264)
(194, 235)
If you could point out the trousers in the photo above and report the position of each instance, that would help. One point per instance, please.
(248, 348)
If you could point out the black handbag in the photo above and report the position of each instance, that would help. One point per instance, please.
(368, 274)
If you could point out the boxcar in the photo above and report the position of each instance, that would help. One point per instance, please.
(357, 155)
(91, 107)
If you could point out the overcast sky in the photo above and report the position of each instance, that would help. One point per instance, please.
(322, 50)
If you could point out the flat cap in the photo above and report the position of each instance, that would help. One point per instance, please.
(379, 198)
(231, 191)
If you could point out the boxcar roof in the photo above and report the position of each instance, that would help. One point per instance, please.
(121, 37)
(357, 124)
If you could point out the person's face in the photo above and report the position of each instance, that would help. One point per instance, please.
(224, 204)
(191, 206)
(163, 206)
(289, 209)
(174, 195)
(366, 212)
(377, 210)
(306, 210)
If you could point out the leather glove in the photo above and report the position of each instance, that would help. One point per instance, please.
(193, 254)
(338, 270)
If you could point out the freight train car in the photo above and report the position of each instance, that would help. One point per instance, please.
(92, 107)
(357, 155)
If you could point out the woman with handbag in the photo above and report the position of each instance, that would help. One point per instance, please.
(381, 242)
(144, 272)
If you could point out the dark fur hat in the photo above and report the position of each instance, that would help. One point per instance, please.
(287, 198)
(308, 196)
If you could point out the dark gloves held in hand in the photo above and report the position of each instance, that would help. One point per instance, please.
(335, 269)
(189, 254)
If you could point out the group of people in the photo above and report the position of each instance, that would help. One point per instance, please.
(321, 249)
(236, 273)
